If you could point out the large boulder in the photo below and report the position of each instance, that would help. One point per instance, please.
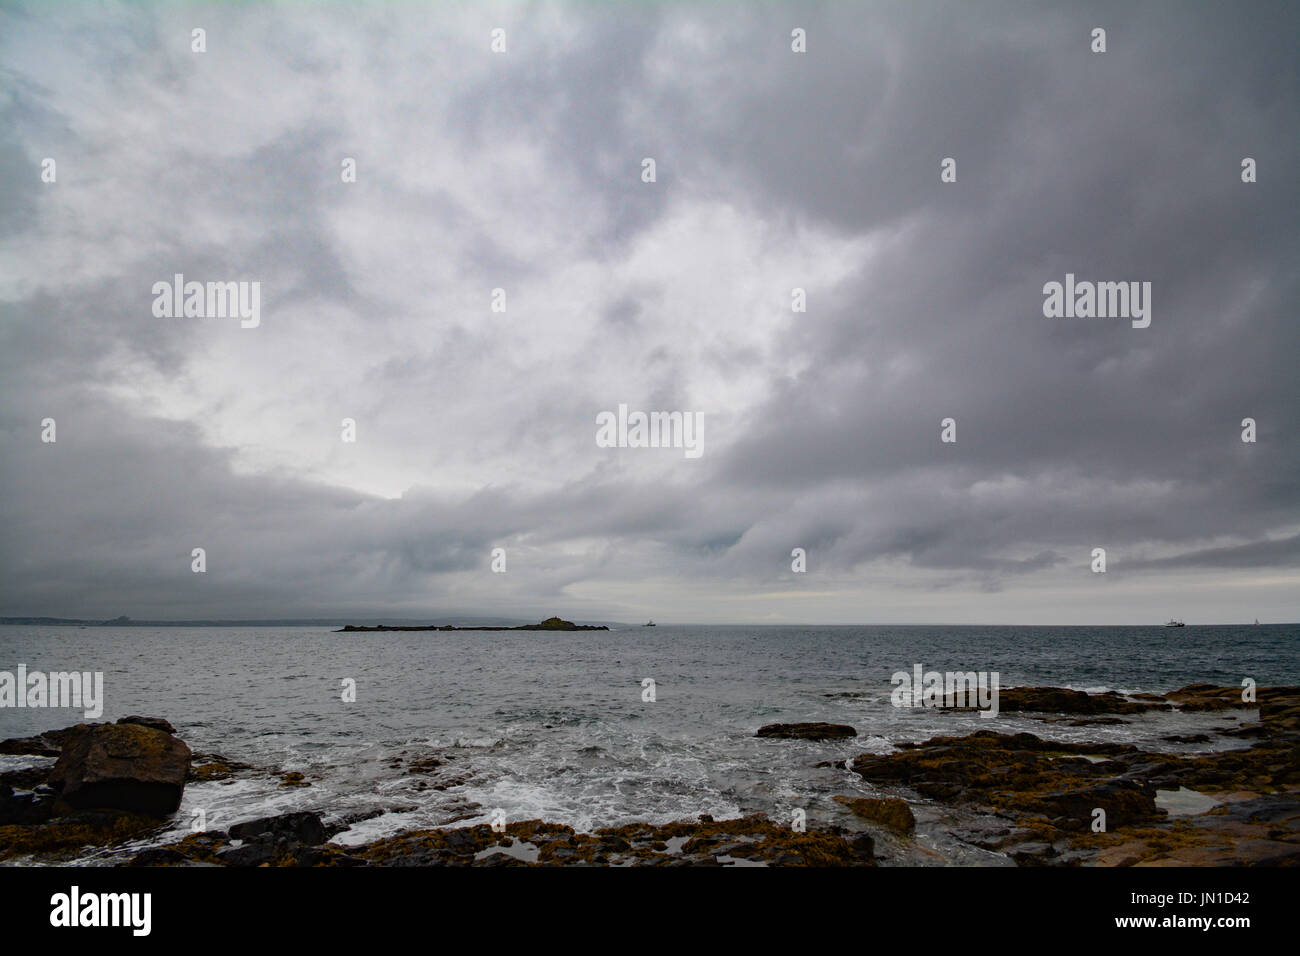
(122, 766)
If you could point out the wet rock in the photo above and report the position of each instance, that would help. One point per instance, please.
(38, 746)
(862, 846)
(301, 827)
(1038, 797)
(23, 808)
(1199, 697)
(749, 840)
(157, 723)
(463, 841)
(300, 855)
(249, 854)
(158, 856)
(66, 836)
(1030, 854)
(807, 731)
(27, 778)
(753, 839)
(122, 766)
(1125, 802)
(1061, 700)
(501, 859)
(889, 812)
(209, 767)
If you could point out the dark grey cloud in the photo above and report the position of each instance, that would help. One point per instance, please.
(775, 170)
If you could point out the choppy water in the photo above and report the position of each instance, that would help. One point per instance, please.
(553, 725)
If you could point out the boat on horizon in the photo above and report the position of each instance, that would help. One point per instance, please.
(1173, 623)
(648, 624)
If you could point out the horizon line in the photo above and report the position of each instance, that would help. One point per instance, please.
(121, 621)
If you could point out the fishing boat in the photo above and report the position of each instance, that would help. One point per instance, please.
(1173, 623)
(648, 624)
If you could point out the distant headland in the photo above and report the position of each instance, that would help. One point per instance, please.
(550, 624)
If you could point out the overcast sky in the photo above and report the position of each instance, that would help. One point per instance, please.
(522, 170)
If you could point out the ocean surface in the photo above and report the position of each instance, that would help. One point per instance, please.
(553, 725)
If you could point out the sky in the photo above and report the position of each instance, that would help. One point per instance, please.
(774, 170)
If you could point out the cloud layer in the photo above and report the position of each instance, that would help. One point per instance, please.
(775, 170)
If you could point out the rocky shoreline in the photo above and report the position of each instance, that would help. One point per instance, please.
(1028, 800)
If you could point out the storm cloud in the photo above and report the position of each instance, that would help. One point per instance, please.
(775, 170)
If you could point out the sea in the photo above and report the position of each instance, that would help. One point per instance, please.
(448, 728)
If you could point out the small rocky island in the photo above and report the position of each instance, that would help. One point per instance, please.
(550, 624)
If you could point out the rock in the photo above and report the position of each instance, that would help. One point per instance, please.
(889, 812)
(463, 841)
(36, 746)
(157, 723)
(122, 766)
(986, 767)
(753, 839)
(51, 742)
(60, 738)
(1125, 802)
(250, 854)
(27, 778)
(301, 855)
(23, 808)
(808, 731)
(1036, 797)
(209, 767)
(1207, 697)
(302, 827)
(1031, 854)
(159, 856)
(66, 837)
(1061, 700)
(863, 847)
